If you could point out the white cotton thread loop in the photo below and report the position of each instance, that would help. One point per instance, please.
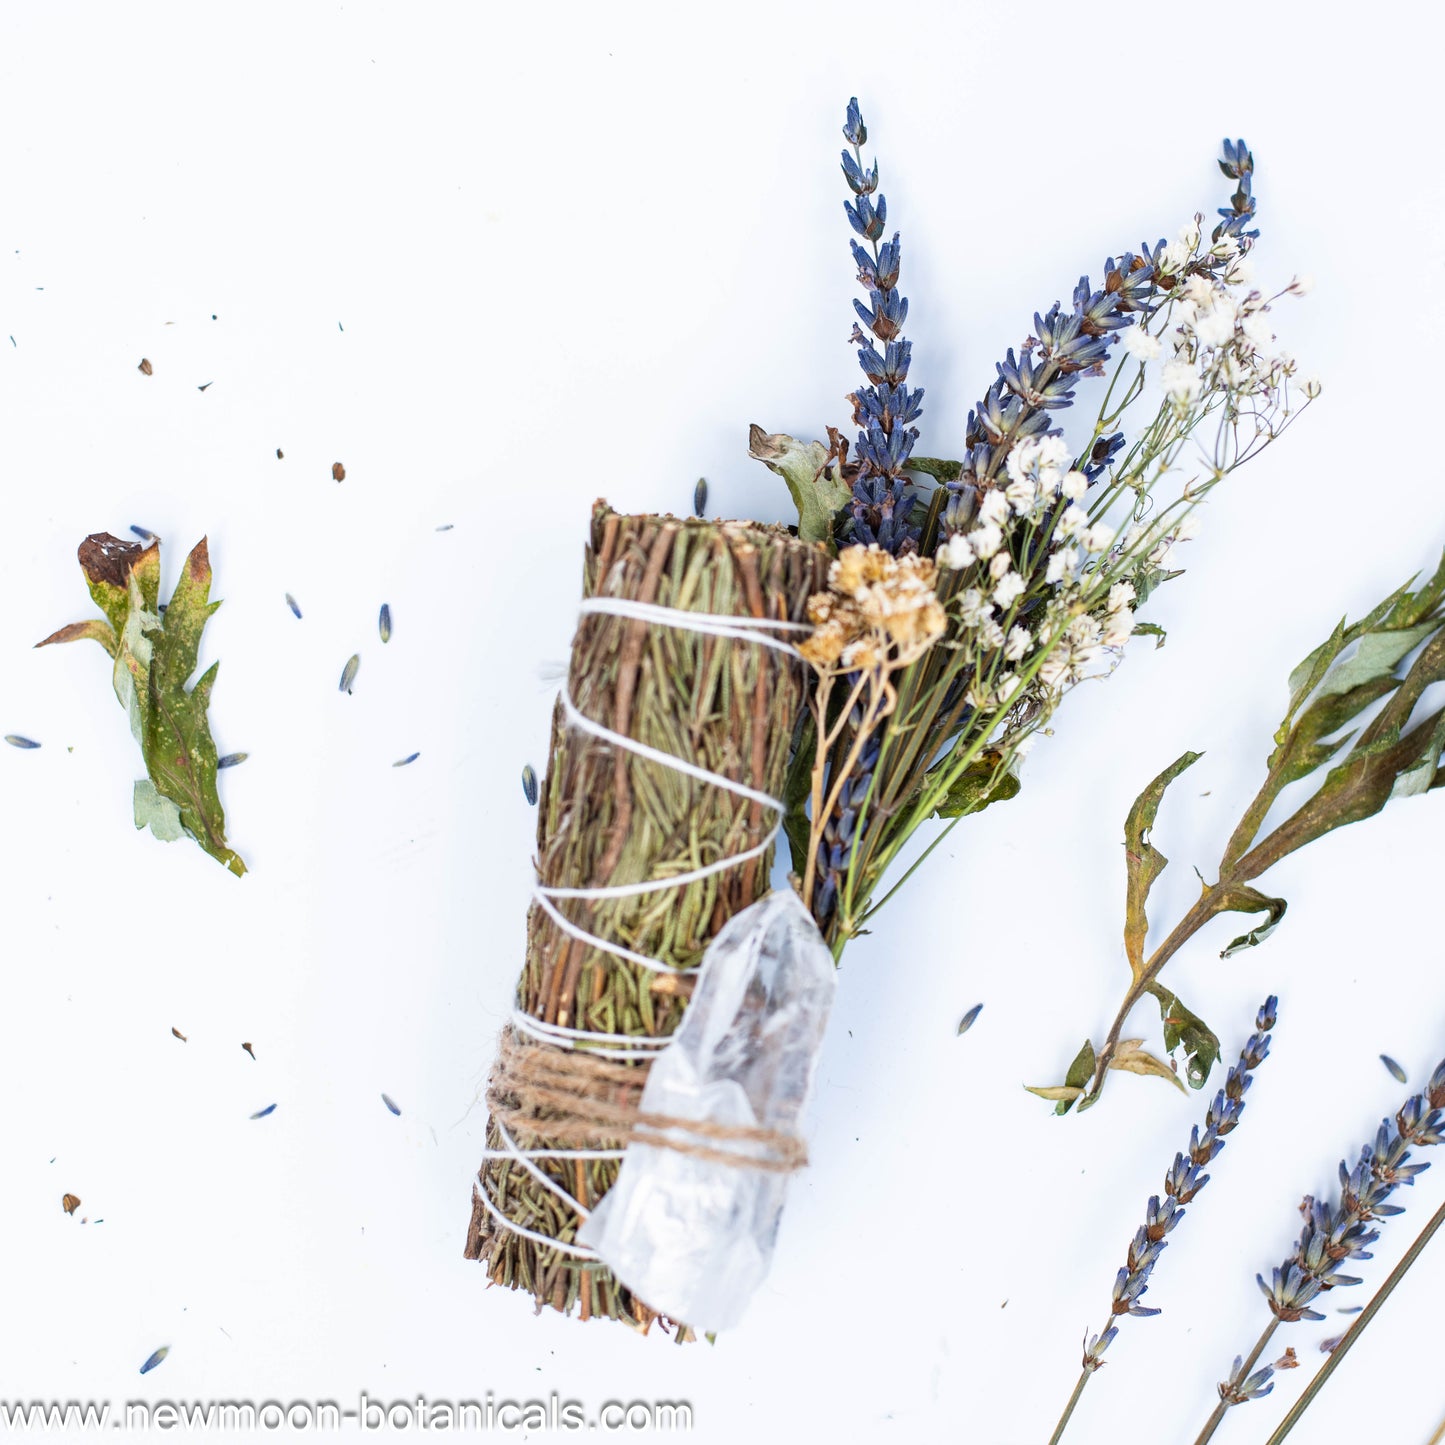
(545, 1240)
(563, 1035)
(713, 624)
(630, 1047)
(579, 720)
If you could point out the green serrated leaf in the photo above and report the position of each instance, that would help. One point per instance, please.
(155, 655)
(818, 492)
(1143, 861)
(1184, 1029)
(1151, 629)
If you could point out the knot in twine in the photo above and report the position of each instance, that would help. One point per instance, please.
(568, 1097)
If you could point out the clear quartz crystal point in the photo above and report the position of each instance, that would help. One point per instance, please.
(693, 1237)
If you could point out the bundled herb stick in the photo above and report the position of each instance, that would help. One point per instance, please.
(720, 701)
(156, 647)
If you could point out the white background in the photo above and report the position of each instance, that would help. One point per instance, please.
(575, 251)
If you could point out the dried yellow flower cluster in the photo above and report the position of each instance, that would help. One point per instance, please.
(879, 611)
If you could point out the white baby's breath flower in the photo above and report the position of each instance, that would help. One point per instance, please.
(1181, 381)
(1312, 387)
(985, 540)
(1010, 588)
(1215, 326)
(1055, 667)
(1061, 564)
(1021, 459)
(1188, 527)
(1075, 486)
(1119, 629)
(1174, 258)
(991, 634)
(1073, 522)
(1020, 639)
(1025, 745)
(1006, 686)
(1098, 538)
(956, 552)
(1259, 333)
(1053, 451)
(993, 508)
(1121, 595)
(973, 608)
(1001, 563)
(1142, 345)
(1301, 286)
(1022, 494)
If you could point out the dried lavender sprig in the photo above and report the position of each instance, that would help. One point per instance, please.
(882, 410)
(1182, 1184)
(1334, 1233)
(1075, 343)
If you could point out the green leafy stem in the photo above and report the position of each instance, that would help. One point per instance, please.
(1388, 658)
(155, 649)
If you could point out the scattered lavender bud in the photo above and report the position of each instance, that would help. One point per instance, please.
(699, 497)
(348, 673)
(143, 534)
(529, 785)
(231, 759)
(16, 741)
(409, 758)
(262, 1113)
(967, 1021)
(383, 622)
(1396, 1072)
(390, 1104)
(291, 603)
(156, 1357)
(446, 527)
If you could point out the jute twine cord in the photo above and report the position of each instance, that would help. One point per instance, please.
(571, 1098)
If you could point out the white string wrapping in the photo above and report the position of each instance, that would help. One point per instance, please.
(628, 1046)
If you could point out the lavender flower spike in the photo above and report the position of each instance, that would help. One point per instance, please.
(882, 410)
(1183, 1181)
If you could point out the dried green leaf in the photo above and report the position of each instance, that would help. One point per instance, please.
(978, 787)
(1151, 629)
(1184, 1029)
(97, 629)
(1144, 862)
(1076, 1080)
(1238, 898)
(938, 468)
(818, 491)
(155, 656)
(1129, 1058)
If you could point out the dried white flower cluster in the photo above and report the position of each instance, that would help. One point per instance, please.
(879, 612)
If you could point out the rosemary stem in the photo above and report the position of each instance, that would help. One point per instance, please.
(1212, 1424)
(1354, 1331)
(1069, 1408)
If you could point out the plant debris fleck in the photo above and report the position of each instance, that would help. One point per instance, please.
(16, 741)
(291, 603)
(338, 472)
(70, 1203)
(446, 526)
(179, 1034)
(204, 385)
(699, 497)
(529, 785)
(348, 673)
(1396, 1072)
(279, 454)
(145, 368)
(249, 1050)
(383, 622)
